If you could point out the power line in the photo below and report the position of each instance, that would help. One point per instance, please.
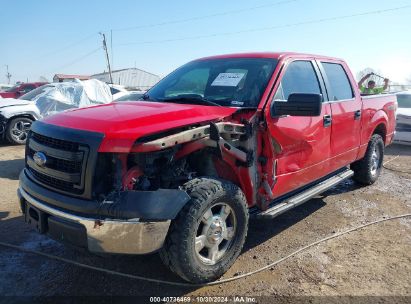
(77, 42)
(69, 46)
(78, 59)
(204, 17)
(268, 28)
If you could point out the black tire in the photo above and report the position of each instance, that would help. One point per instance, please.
(179, 251)
(16, 125)
(368, 169)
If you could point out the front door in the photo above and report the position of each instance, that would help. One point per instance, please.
(303, 143)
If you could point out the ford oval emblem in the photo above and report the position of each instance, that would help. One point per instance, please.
(40, 159)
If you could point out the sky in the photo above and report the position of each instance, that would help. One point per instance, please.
(42, 38)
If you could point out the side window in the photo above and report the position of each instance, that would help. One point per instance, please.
(338, 81)
(28, 88)
(300, 77)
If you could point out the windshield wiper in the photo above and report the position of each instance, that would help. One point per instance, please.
(191, 98)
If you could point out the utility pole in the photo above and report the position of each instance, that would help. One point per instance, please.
(108, 59)
(111, 48)
(8, 75)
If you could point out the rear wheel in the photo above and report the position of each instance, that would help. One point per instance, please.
(18, 129)
(208, 234)
(368, 169)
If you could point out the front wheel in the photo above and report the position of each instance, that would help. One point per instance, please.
(18, 129)
(368, 169)
(209, 232)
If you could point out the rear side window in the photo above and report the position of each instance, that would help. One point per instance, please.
(339, 83)
(300, 77)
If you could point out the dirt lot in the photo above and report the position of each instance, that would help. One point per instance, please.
(375, 261)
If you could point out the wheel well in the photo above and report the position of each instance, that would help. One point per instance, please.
(205, 164)
(23, 115)
(381, 130)
(18, 116)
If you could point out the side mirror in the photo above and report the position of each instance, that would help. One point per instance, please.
(298, 104)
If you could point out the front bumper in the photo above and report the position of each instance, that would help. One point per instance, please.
(97, 235)
(148, 206)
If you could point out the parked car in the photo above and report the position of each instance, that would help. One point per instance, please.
(131, 96)
(21, 89)
(17, 115)
(118, 91)
(403, 128)
(218, 140)
(4, 86)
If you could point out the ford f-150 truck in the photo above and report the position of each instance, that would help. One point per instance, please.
(217, 141)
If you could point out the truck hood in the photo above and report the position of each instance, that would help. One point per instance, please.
(123, 123)
(10, 107)
(8, 102)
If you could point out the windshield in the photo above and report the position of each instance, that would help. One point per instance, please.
(34, 93)
(404, 100)
(236, 82)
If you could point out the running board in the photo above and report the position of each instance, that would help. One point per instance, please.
(304, 196)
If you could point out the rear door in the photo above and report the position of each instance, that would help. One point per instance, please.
(345, 112)
(304, 141)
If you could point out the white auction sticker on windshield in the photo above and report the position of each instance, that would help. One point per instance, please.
(228, 79)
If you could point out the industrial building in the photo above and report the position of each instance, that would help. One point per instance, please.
(130, 78)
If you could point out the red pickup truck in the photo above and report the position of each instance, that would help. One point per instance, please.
(21, 89)
(218, 140)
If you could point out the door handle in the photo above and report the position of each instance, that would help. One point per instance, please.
(357, 115)
(327, 120)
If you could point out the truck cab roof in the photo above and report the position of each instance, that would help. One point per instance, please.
(273, 55)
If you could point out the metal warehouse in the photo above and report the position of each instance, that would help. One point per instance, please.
(131, 78)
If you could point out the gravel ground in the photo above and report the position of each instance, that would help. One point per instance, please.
(375, 261)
